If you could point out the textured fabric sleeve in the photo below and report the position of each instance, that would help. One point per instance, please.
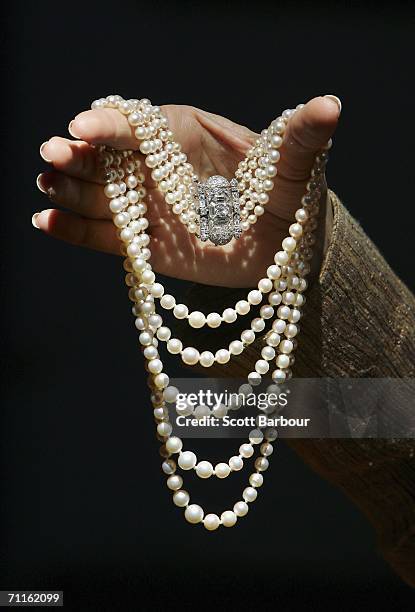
(359, 321)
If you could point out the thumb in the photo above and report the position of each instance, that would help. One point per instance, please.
(307, 132)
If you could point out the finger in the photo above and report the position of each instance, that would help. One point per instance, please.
(307, 132)
(75, 158)
(87, 199)
(104, 126)
(77, 230)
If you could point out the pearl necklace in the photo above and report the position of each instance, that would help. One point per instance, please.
(284, 282)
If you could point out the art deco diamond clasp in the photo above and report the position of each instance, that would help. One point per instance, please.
(219, 211)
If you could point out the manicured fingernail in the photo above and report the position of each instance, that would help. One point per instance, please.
(39, 184)
(42, 155)
(34, 217)
(71, 131)
(336, 100)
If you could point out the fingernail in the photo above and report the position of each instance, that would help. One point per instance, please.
(34, 217)
(39, 184)
(42, 155)
(70, 130)
(336, 100)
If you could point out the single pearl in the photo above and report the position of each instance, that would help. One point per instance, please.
(181, 311)
(161, 380)
(222, 356)
(257, 325)
(250, 494)
(278, 376)
(262, 366)
(181, 498)
(150, 352)
(163, 334)
(211, 522)
(187, 460)
(266, 312)
(174, 346)
(283, 312)
(281, 258)
(196, 319)
(174, 445)
(266, 449)
(145, 338)
(157, 290)
(222, 470)
(275, 298)
(294, 315)
(279, 326)
(201, 411)
(214, 319)
(289, 244)
(236, 347)
(241, 508)
(190, 355)
(265, 285)
(261, 464)
(256, 436)
(247, 336)
(254, 297)
(229, 315)
(175, 482)
(170, 394)
(295, 230)
(155, 366)
(168, 302)
(168, 466)
(242, 307)
(286, 347)
(283, 361)
(204, 469)
(291, 330)
(288, 297)
(228, 518)
(206, 359)
(194, 514)
(236, 463)
(268, 353)
(273, 272)
(256, 480)
(246, 450)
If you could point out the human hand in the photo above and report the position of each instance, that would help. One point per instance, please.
(214, 145)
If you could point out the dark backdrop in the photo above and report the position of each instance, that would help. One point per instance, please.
(84, 507)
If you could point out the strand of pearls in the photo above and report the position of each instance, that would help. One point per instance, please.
(125, 190)
(176, 177)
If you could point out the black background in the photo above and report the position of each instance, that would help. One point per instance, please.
(84, 507)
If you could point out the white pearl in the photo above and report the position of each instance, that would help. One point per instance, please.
(266, 312)
(164, 429)
(279, 326)
(174, 482)
(256, 480)
(150, 352)
(157, 290)
(268, 353)
(145, 338)
(242, 307)
(181, 498)
(196, 319)
(174, 346)
(190, 355)
(291, 330)
(266, 449)
(211, 522)
(261, 464)
(289, 244)
(247, 336)
(294, 315)
(281, 258)
(222, 470)
(214, 319)
(254, 297)
(283, 312)
(278, 376)
(168, 466)
(257, 325)
(155, 366)
(228, 518)
(283, 361)
(161, 380)
(286, 347)
(229, 315)
(236, 463)
(246, 450)
(222, 356)
(241, 508)
(204, 469)
(236, 347)
(274, 272)
(194, 514)
(262, 366)
(265, 285)
(275, 298)
(256, 436)
(181, 311)
(163, 334)
(295, 230)
(170, 394)
(250, 494)
(187, 460)
(206, 359)
(168, 302)
(174, 445)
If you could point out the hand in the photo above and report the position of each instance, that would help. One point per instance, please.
(214, 145)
